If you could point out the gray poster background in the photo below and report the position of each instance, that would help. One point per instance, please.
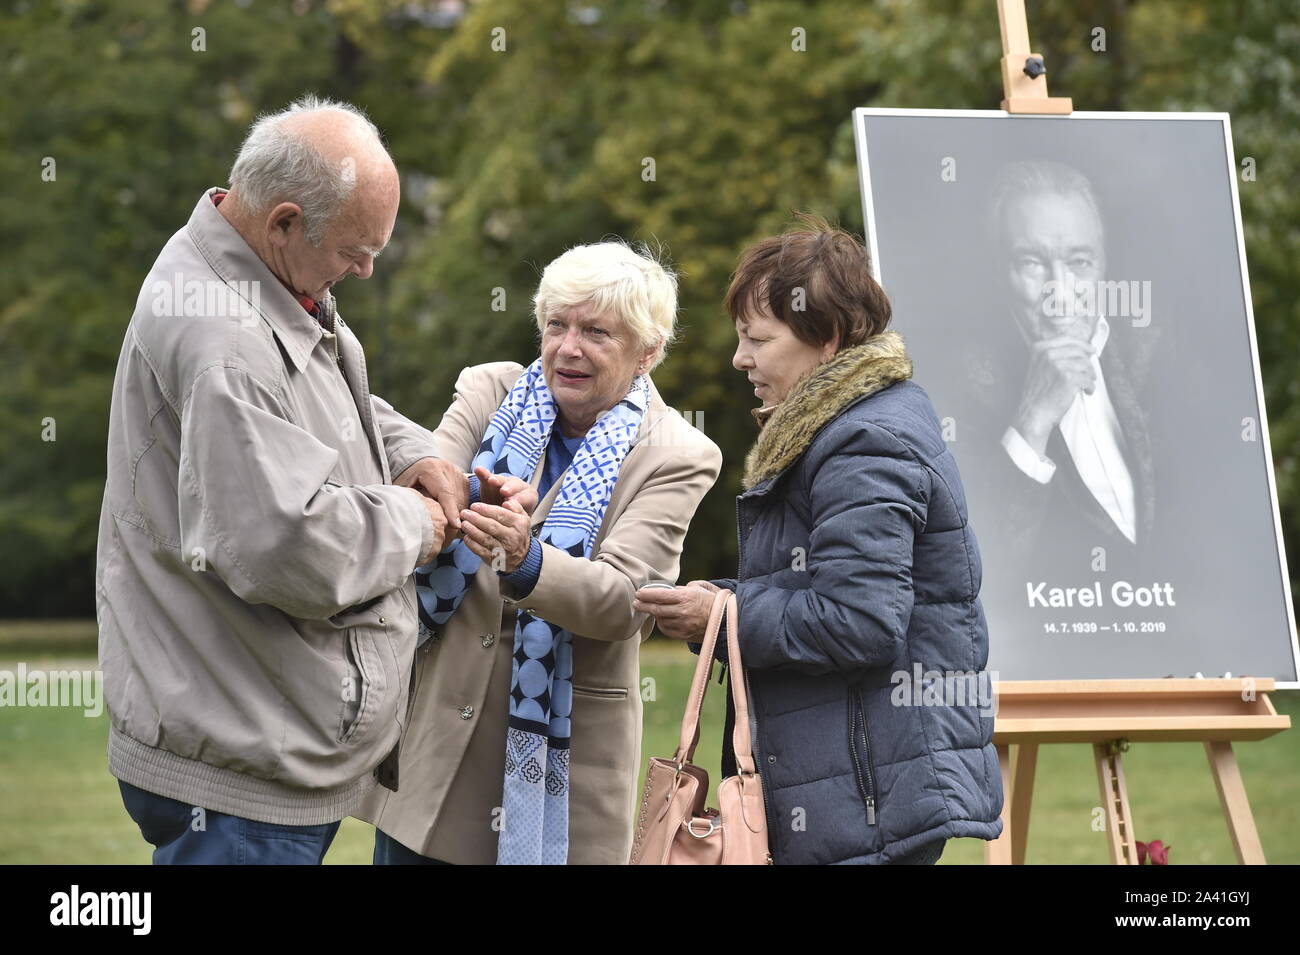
(1165, 197)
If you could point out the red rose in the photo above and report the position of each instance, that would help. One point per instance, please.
(1157, 850)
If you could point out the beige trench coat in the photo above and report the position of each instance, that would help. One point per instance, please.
(453, 752)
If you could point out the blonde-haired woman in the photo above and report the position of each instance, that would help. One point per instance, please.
(523, 744)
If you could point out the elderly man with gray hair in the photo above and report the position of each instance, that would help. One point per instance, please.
(254, 581)
(1074, 424)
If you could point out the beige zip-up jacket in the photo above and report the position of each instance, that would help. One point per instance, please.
(253, 580)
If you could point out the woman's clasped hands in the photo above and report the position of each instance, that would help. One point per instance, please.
(499, 527)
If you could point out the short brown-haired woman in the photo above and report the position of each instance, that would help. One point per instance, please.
(861, 628)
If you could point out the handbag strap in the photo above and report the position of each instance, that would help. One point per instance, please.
(724, 601)
(741, 743)
(699, 684)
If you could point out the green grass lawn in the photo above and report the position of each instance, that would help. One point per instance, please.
(58, 804)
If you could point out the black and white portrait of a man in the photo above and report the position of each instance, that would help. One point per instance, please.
(1073, 295)
(1065, 401)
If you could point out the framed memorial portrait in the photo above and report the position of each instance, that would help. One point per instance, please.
(1073, 293)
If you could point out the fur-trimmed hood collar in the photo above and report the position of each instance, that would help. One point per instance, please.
(819, 397)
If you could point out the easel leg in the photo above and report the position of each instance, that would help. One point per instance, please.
(998, 851)
(1114, 797)
(1022, 796)
(1232, 796)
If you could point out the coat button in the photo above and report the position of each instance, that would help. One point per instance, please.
(771, 758)
(466, 712)
(381, 620)
(489, 639)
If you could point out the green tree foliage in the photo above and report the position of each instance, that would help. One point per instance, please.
(137, 123)
(521, 129)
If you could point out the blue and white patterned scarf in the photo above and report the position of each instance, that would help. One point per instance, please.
(535, 811)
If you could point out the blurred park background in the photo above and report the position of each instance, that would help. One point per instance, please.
(508, 157)
(59, 805)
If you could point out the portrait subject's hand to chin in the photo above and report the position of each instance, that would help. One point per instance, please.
(442, 481)
(1059, 368)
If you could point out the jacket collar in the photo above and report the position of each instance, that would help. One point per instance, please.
(234, 261)
(819, 397)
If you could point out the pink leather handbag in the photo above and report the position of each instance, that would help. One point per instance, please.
(674, 827)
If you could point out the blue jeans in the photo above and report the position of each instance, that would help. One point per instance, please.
(183, 835)
(388, 851)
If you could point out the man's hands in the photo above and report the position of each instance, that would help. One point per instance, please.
(1059, 368)
(439, 529)
(443, 482)
(499, 528)
(500, 535)
(681, 613)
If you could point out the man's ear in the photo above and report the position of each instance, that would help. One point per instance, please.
(281, 222)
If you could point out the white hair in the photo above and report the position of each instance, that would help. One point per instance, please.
(1038, 177)
(276, 165)
(629, 284)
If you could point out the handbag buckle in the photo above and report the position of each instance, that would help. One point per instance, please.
(713, 827)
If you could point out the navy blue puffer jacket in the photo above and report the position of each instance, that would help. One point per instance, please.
(861, 626)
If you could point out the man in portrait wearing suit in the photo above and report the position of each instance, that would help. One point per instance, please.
(1063, 441)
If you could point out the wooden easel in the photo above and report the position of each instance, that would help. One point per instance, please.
(1110, 714)
(1024, 77)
